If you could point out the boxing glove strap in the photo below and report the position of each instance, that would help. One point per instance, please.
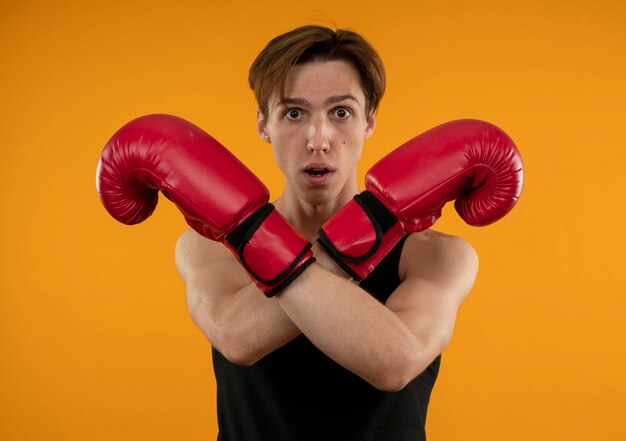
(381, 220)
(290, 278)
(376, 211)
(244, 233)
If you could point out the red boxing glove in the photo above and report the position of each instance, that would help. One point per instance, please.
(471, 161)
(220, 198)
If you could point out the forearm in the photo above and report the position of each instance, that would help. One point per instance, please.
(246, 326)
(352, 328)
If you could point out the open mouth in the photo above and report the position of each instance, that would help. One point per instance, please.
(317, 171)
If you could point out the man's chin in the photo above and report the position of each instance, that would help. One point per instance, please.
(318, 195)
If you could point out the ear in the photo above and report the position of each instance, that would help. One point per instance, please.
(260, 126)
(371, 123)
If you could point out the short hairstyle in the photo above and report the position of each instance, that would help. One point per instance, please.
(316, 43)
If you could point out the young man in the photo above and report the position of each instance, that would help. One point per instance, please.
(325, 358)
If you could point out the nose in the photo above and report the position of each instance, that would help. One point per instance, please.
(318, 139)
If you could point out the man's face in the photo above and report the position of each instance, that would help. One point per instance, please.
(317, 131)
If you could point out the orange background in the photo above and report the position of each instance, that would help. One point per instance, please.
(95, 340)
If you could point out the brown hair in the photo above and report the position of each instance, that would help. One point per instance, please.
(316, 43)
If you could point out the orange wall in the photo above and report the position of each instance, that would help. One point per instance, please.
(95, 340)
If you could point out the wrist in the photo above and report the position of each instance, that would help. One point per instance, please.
(329, 264)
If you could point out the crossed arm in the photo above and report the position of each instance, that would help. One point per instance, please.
(387, 345)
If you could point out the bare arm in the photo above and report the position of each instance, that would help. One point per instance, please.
(236, 318)
(387, 345)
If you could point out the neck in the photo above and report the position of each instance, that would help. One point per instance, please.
(309, 216)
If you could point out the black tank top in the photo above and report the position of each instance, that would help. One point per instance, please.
(297, 393)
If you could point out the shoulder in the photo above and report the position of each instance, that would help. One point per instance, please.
(440, 258)
(195, 253)
(434, 248)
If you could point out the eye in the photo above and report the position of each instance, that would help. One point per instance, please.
(341, 113)
(293, 114)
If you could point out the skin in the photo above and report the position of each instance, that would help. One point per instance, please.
(323, 122)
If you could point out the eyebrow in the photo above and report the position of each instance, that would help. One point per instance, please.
(330, 100)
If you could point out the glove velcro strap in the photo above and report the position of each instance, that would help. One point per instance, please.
(271, 250)
(356, 232)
